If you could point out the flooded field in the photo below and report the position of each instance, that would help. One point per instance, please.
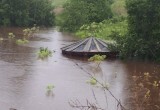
(24, 78)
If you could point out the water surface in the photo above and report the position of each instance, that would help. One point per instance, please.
(24, 77)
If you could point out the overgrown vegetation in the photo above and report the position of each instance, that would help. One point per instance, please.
(104, 29)
(44, 53)
(26, 13)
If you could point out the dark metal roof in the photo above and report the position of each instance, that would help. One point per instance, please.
(87, 47)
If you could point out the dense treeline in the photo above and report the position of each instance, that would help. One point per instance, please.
(79, 12)
(143, 38)
(26, 12)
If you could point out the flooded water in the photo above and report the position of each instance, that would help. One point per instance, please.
(24, 78)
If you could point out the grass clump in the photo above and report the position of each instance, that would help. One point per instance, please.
(44, 53)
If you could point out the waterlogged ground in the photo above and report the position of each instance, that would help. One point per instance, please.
(24, 78)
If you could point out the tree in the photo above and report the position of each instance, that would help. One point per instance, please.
(79, 12)
(26, 12)
(143, 40)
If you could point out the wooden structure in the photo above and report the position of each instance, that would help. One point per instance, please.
(88, 47)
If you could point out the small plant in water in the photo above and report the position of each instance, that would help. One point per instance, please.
(97, 59)
(21, 41)
(11, 35)
(50, 87)
(28, 32)
(44, 53)
(92, 81)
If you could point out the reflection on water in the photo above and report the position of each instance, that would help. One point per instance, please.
(24, 78)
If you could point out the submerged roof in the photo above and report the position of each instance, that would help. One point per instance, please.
(88, 46)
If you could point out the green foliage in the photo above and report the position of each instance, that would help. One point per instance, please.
(143, 40)
(26, 12)
(11, 35)
(21, 41)
(104, 29)
(44, 53)
(79, 12)
(97, 59)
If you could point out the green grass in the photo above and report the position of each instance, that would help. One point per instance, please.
(118, 8)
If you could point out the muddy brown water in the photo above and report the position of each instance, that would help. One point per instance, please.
(24, 77)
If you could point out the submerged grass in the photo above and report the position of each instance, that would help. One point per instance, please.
(44, 53)
(21, 41)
